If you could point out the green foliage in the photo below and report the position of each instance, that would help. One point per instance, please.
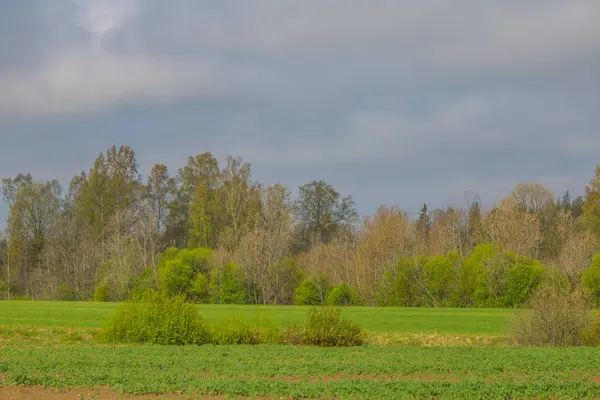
(438, 276)
(174, 277)
(370, 373)
(395, 289)
(147, 279)
(101, 292)
(199, 290)
(153, 317)
(179, 268)
(343, 295)
(523, 279)
(234, 330)
(325, 327)
(307, 294)
(226, 285)
(590, 280)
(64, 292)
(3, 288)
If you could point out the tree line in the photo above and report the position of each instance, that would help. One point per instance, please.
(211, 232)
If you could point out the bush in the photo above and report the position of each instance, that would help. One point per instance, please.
(147, 279)
(199, 289)
(558, 318)
(234, 330)
(64, 292)
(343, 295)
(523, 279)
(326, 328)
(174, 277)
(101, 292)
(156, 318)
(226, 285)
(590, 280)
(307, 294)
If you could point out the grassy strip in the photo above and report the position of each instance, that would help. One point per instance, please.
(33, 335)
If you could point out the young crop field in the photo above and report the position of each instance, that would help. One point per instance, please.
(47, 350)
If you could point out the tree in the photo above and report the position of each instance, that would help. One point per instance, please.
(202, 170)
(160, 189)
(322, 212)
(240, 200)
(533, 197)
(591, 205)
(385, 239)
(262, 250)
(32, 220)
(512, 229)
(424, 223)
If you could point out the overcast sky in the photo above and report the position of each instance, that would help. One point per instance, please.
(395, 102)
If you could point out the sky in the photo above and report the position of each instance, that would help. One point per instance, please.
(394, 102)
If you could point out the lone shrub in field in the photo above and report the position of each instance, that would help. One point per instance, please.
(156, 318)
(326, 328)
(558, 318)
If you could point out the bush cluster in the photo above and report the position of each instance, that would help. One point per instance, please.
(488, 277)
(558, 316)
(325, 327)
(157, 318)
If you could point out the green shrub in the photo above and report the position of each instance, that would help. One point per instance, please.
(199, 289)
(234, 330)
(523, 279)
(395, 289)
(147, 279)
(3, 287)
(268, 331)
(22, 298)
(343, 295)
(101, 292)
(226, 285)
(307, 294)
(590, 280)
(174, 277)
(153, 317)
(326, 328)
(64, 292)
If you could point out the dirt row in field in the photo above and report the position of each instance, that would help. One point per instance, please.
(103, 393)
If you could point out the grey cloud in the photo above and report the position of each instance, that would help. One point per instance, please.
(390, 100)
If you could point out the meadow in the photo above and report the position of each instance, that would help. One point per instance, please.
(47, 349)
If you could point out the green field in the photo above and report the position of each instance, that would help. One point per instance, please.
(47, 347)
(392, 319)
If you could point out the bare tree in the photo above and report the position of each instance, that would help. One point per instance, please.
(386, 238)
(512, 229)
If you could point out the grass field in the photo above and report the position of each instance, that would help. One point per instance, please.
(46, 351)
(408, 320)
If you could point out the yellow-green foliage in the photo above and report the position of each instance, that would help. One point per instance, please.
(325, 327)
(234, 330)
(154, 317)
(591, 280)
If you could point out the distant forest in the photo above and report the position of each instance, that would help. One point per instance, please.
(212, 233)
